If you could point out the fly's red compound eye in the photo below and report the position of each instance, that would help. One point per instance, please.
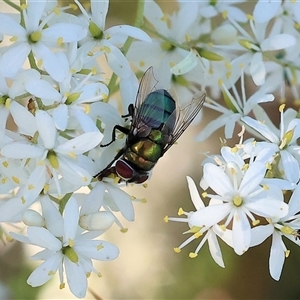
(124, 170)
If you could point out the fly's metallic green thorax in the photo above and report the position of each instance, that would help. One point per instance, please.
(157, 123)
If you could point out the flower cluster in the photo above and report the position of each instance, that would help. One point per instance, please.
(59, 73)
(55, 92)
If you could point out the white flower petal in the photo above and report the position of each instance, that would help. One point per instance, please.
(43, 89)
(214, 249)
(122, 200)
(100, 250)
(210, 215)
(269, 208)
(12, 60)
(53, 218)
(76, 278)
(81, 143)
(71, 216)
(10, 27)
(241, 232)
(21, 150)
(94, 200)
(99, 12)
(264, 11)
(258, 69)
(189, 62)
(68, 32)
(60, 116)
(45, 271)
(277, 42)
(23, 119)
(46, 128)
(42, 237)
(252, 178)
(277, 256)
(260, 233)
(34, 12)
(290, 166)
(128, 30)
(217, 179)
(197, 201)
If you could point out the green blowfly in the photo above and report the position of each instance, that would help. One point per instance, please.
(157, 123)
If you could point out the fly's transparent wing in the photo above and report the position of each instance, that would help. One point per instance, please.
(182, 118)
(146, 113)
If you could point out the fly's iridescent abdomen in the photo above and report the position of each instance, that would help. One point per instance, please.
(157, 108)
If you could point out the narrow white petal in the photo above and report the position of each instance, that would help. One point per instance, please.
(277, 42)
(94, 200)
(81, 144)
(71, 216)
(258, 69)
(294, 203)
(209, 215)
(217, 179)
(197, 201)
(46, 128)
(262, 129)
(122, 200)
(68, 32)
(76, 278)
(23, 119)
(43, 89)
(13, 59)
(60, 116)
(241, 232)
(264, 11)
(53, 218)
(99, 12)
(214, 249)
(50, 61)
(21, 150)
(269, 208)
(252, 178)
(87, 124)
(189, 62)
(45, 271)
(128, 30)
(43, 238)
(277, 256)
(260, 233)
(34, 11)
(100, 250)
(10, 27)
(290, 166)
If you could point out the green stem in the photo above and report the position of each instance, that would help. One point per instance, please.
(13, 5)
(63, 201)
(284, 64)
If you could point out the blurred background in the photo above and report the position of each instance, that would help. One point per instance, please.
(147, 267)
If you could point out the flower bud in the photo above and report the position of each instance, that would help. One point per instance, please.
(33, 218)
(100, 220)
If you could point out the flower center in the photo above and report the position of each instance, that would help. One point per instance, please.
(237, 200)
(70, 254)
(51, 155)
(95, 31)
(34, 37)
(3, 99)
(167, 46)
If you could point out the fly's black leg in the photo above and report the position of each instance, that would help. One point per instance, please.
(121, 128)
(113, 137)
(118, 155)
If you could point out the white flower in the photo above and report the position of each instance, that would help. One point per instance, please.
(237, 106)
(241, 196)
(108, 40)
(208, 234)
(36, 37)
(282, 141)
(287, 226)
(67, 250)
